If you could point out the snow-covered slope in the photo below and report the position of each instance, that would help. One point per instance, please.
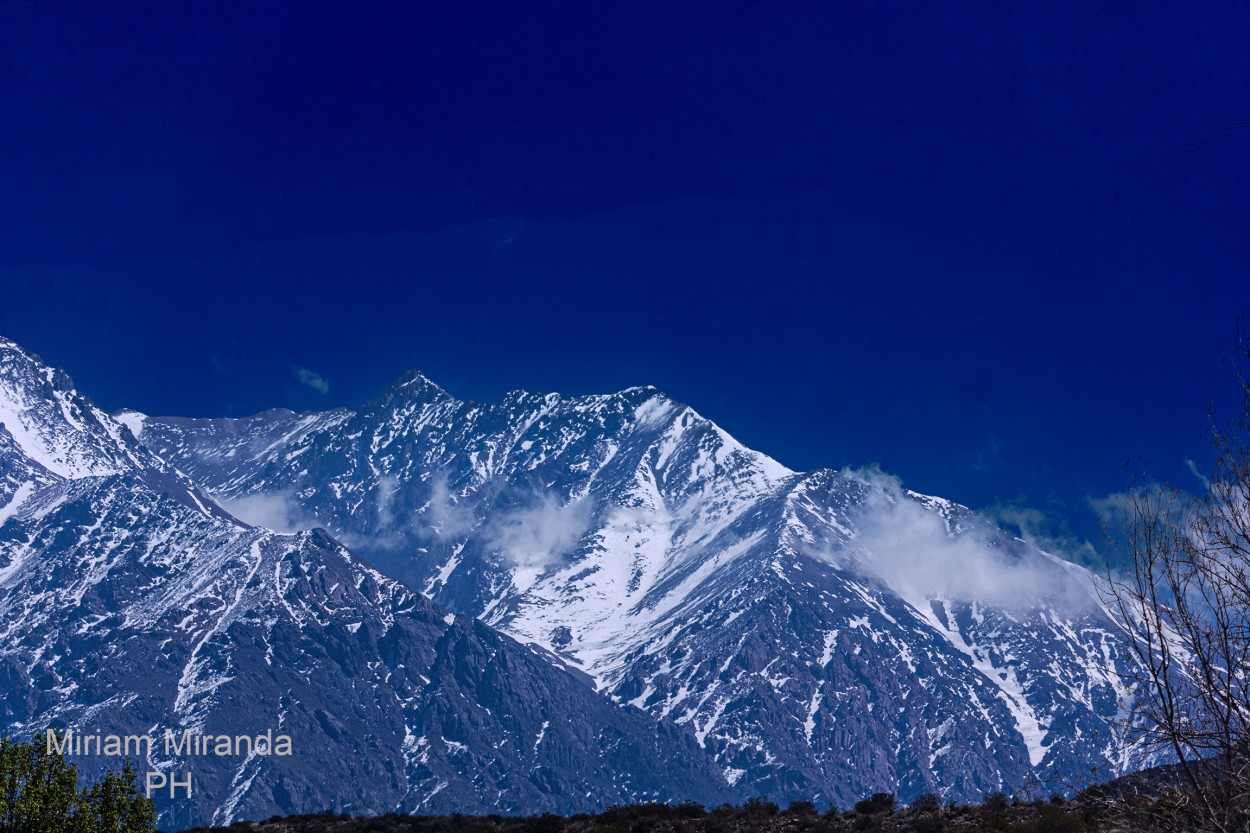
(63, 436)
(824, 634)
(130, 603)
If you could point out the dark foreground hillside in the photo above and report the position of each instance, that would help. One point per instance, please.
(879, 813)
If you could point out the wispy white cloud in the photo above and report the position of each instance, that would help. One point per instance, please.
(442, 515)
(281, 512)
(910, 547)
(1196, 472)
(312, 379)
(1049, 531)
(540, 534)
(388, 484)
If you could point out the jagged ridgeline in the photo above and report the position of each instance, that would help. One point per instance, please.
(643, 608)
(131, 605)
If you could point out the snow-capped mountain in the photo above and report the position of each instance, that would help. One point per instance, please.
(130, 604)
(824, 634)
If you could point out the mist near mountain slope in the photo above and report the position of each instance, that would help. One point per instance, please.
(131, 604)
(825, 634)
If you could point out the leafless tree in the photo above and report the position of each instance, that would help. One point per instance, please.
(1182, 595)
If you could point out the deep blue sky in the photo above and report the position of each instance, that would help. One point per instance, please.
(956, 239)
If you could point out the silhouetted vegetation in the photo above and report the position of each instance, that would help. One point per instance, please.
(880, 812)
(1184, 597)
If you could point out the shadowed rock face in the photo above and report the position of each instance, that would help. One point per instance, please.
(812, 636)
(131, 604)
(824, 635)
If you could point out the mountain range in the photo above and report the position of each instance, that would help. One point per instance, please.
(543, 603)
(130, 603)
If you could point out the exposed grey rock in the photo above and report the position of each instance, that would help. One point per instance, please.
(130, 603)
(777, 614)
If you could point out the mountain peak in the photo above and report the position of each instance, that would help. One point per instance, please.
(102, 574)
(416, 383)
(412, 388)
(643, 393)
(49, 421)
(17, 359)
(8, 345)
(696, 579)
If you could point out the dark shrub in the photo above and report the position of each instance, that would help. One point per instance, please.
(758, 808)
(994, 805)
(868, 824)
(880, 803)
(927, 803)
(546, 823)
(1051, 818)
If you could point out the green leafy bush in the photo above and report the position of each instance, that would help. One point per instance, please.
(39, 794)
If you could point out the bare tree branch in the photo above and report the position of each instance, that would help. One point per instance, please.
(1183, 599)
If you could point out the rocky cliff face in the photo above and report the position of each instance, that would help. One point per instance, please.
(131, 603)
(825, 635)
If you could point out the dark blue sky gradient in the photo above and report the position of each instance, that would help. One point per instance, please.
(956, 239)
